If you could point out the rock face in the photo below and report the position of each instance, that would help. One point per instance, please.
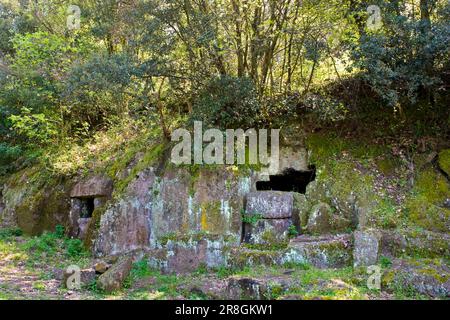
(294, 157)
(154, 208)
(125, 226)
(426, 278)
(186, 255)
(367, 247)
(425, 244)
(258, 288)
(319, 219)
(112, 279)
(275, 212)
(270, 204)
(320, 252)
(267, 231)
(87, 276)
(322, 220)
(32, 205)
(97, 186)
(241, 257)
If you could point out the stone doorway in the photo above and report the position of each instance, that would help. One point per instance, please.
(86, 197)
(290, 180)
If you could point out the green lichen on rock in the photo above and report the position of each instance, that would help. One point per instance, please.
(424, 205)
(417, 277)
(349, 191)
(149, 158)
(94, 226)
(38, 200)
(444, 161)
(302, 208)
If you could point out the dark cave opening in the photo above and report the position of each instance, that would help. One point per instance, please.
(87, 207)
(290, 180)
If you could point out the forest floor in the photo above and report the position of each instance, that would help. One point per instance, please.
(24, 275)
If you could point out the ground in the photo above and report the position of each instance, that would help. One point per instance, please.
(29, 270)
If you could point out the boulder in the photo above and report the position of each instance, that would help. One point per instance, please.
(421, 243)
(421, 277)
(101, 267)
(303, 207)
(97, 186)
(261, 288)
(113, 278)
(320, 252)
(87, 276)
(367, 247)
(185, 254)
(270, 204)
(319, 219)
(267, 231)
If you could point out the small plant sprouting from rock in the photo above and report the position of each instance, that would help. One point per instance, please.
(385, 262)
(250, 218)
(292, 231)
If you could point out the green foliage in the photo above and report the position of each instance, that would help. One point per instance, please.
(34, 127)
(385, 262)
(140, 269)
(44, 244)
(227, 102)
(10, 232)
(41, 50)
(74, 248)
(402, 60)
(96, 90)
(51, 243)
(250, 218)
(8, 154)
(292, 231)
(327, 109)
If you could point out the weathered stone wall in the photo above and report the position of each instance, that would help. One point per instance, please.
(154, 209)
(34, 205)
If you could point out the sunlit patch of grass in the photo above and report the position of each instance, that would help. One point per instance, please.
(103, 148)
(39, 285)
(146, 295)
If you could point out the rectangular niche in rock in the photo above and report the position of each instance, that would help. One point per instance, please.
(290, 180)
(86, 207)
(86, 196)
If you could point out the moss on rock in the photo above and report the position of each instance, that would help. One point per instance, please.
(424, 205)
(444, 161)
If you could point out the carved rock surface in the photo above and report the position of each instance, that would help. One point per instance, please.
(270, 204)
(97, 186)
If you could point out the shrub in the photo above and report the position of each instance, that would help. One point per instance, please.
(227, 103)
(74, 248)
(8, 154)
(10, 232)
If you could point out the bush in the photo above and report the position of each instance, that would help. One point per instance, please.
(74, 248)
(227, 103)
(52, 242)
(45, 243)
(10, 232)
(325, 107)
(8, 154)
(402, 60)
